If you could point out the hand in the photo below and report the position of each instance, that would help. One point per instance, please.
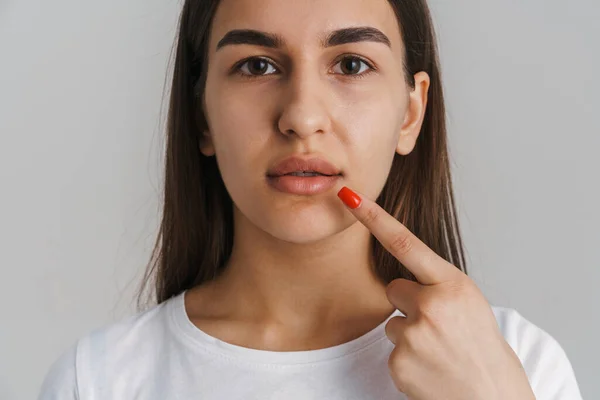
(449, 345)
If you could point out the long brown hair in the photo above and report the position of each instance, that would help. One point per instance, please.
(195, 238)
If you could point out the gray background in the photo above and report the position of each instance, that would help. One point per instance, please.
(80, 165)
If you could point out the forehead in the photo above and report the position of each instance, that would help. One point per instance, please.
(304, 23)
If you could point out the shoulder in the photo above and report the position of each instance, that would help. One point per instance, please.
(547, 366)
(60, 381)
(527, 339)
(112, 347)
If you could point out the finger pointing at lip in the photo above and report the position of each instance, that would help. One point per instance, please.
(427, 266)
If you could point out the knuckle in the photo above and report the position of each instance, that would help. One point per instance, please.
(458, 290)
(396, 361)
(401, 244)
(430, 308)
(412, 334)
(371, 215)
(398, 367)
(459, 293)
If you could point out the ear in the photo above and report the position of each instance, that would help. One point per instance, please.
(415, 113)
(206, 144)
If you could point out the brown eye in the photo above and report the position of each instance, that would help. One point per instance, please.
(350, 65)
(353, 65)
(256, 67)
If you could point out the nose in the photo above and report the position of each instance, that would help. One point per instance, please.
(304, 107)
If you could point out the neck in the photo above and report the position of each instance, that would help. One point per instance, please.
(306, 286)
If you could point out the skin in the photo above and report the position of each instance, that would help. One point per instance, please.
(449, 334)
(298, 262)
(282, 288)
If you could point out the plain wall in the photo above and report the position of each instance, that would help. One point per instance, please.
(81, 85)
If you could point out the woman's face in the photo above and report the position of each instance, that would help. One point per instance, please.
(344, 100)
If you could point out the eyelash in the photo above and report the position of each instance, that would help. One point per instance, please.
(237, 68)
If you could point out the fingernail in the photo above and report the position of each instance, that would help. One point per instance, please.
(351, 199)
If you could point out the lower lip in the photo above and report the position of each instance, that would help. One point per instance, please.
(303, 185)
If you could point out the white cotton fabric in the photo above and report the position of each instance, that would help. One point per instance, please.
(159, 354)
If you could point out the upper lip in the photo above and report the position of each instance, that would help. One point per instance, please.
(302, 164)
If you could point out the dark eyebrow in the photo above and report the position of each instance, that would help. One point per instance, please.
(335, 38)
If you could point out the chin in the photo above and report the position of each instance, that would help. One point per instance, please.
(293, 233)
(303, 223)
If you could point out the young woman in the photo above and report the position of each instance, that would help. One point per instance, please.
(309, 247)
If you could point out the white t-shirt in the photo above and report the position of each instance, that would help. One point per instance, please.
(159, 354)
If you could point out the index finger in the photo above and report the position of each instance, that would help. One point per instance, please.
(425, 264)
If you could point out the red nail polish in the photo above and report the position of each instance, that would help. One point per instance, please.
(351, 199)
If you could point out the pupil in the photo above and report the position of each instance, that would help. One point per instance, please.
(258, 66)
(352, 65)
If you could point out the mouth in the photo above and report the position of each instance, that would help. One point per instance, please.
(302, 173)
(300, 176)
(298, 166)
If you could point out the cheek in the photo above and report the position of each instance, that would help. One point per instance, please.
(239, 128)
(372, 127)
(371, 115)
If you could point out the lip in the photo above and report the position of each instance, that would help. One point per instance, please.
(303, 185)
(278, 179)
(300, 164)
